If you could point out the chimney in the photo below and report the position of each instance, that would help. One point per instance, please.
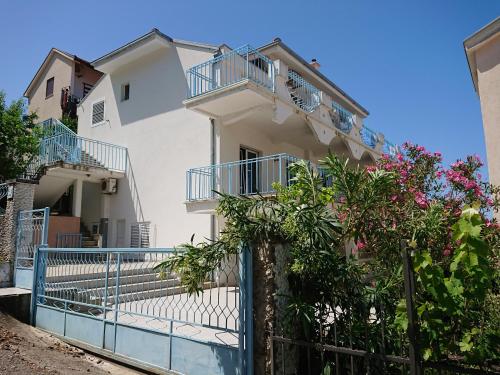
(315, 64)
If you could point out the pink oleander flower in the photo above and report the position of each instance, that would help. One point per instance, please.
(421, 200)
(360, 245)
(447, 251)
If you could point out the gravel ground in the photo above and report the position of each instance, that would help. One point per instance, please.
(25, 350)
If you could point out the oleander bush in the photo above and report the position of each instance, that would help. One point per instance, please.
(344, 241)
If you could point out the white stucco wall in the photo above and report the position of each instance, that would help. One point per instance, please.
(163, 139)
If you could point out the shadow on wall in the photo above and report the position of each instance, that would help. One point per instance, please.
(226, 359)
(339, 144)
(135, 201)
(157, 86)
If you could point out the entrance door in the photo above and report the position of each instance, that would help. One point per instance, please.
(249, 171)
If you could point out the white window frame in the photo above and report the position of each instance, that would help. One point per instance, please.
(92, 125)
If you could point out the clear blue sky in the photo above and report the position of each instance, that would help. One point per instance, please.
(402, 60)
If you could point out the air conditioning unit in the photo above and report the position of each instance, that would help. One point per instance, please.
(109, 186)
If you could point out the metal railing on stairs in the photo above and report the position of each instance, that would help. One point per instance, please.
(73, 149)
(243, 63)
(61, 144)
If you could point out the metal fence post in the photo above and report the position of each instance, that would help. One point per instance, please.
(117, 299)
(241, 310)
(45, 235)
(249, 309)
(105, 301)
(409, 284)
(38, 278)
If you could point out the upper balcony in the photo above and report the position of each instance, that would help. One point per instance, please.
(231, 73)
(248, 89)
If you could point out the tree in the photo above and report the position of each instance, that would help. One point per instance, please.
(19, 139)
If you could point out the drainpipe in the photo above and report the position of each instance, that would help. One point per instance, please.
(212, 162)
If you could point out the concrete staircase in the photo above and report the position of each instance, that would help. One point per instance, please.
(89, 240)
(136, 283)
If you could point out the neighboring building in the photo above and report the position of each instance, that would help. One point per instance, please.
(483, 55)
(191, 118)
(59, 84)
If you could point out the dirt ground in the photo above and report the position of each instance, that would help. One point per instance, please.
(25, 350)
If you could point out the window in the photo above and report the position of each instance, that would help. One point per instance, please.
(125, 91)
(49, 89)
(98, 112)
(86, 88)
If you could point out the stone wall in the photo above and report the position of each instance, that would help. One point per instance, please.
(22, 199)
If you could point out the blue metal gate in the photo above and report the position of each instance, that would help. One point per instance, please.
(32, 231)
(114, 302)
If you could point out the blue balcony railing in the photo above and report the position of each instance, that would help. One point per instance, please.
(341, 118)
(390, 148)
(305, 95)
(244, 177)
(369, 137)
(243, 63)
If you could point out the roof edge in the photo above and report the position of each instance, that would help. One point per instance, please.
(52, 51)
(280, 43)
(113, 53)
(483, 34)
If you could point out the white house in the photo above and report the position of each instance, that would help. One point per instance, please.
(171, 121)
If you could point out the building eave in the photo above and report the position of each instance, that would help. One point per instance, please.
(314, 71)
(43, 66)
(475, 41)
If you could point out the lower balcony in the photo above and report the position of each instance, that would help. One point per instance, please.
(251, 177)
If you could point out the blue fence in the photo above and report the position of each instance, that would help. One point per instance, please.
(32, 232)
(305, 95)
(113, 301)
(243, 63)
